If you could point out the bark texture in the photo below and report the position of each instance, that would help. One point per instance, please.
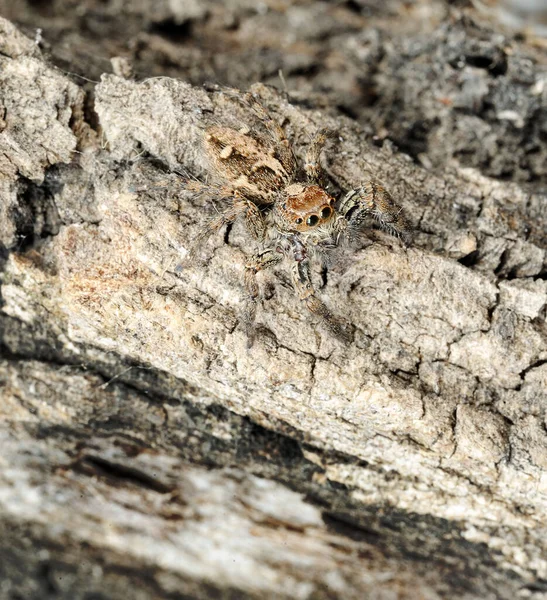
(146, 450)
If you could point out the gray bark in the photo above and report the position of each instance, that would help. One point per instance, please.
(146, 450)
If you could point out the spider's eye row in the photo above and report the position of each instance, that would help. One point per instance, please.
(312, 220)
(325, 213)
(298, 221)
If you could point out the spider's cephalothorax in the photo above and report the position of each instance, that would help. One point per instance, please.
(287, 210)
(303, 209)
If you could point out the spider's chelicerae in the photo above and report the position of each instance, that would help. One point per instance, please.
(285, 207)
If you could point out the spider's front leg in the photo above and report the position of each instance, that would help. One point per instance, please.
(304, 288)
(373, 200)
(261, 260)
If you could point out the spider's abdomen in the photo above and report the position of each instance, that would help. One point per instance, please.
(245, 163)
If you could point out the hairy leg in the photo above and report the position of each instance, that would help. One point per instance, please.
(236, 207)
(260, 261)
(304, 288)
(283, 148)
(372, 200)
(312, 166)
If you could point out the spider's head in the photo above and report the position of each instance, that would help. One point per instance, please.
(305, 207)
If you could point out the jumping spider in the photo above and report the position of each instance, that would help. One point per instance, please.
(285, 208)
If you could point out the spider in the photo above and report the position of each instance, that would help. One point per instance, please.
(287, 208)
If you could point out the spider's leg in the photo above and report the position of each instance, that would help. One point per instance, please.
(200, 187)
(372, 200)
(283, 149)
(254, 220)
(260, 261)
(236, 207)
(312, 166)
(304, 288)
(185, 181)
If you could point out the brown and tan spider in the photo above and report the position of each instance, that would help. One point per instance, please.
(286, 208)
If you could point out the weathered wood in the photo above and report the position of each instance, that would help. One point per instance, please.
(147, 450)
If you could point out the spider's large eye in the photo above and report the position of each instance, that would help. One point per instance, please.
(312, 220)
(325, 213)
(298, 221)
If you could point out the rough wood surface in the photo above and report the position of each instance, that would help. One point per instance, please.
(145, 448)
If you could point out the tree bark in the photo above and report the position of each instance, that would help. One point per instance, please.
(146, 449)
